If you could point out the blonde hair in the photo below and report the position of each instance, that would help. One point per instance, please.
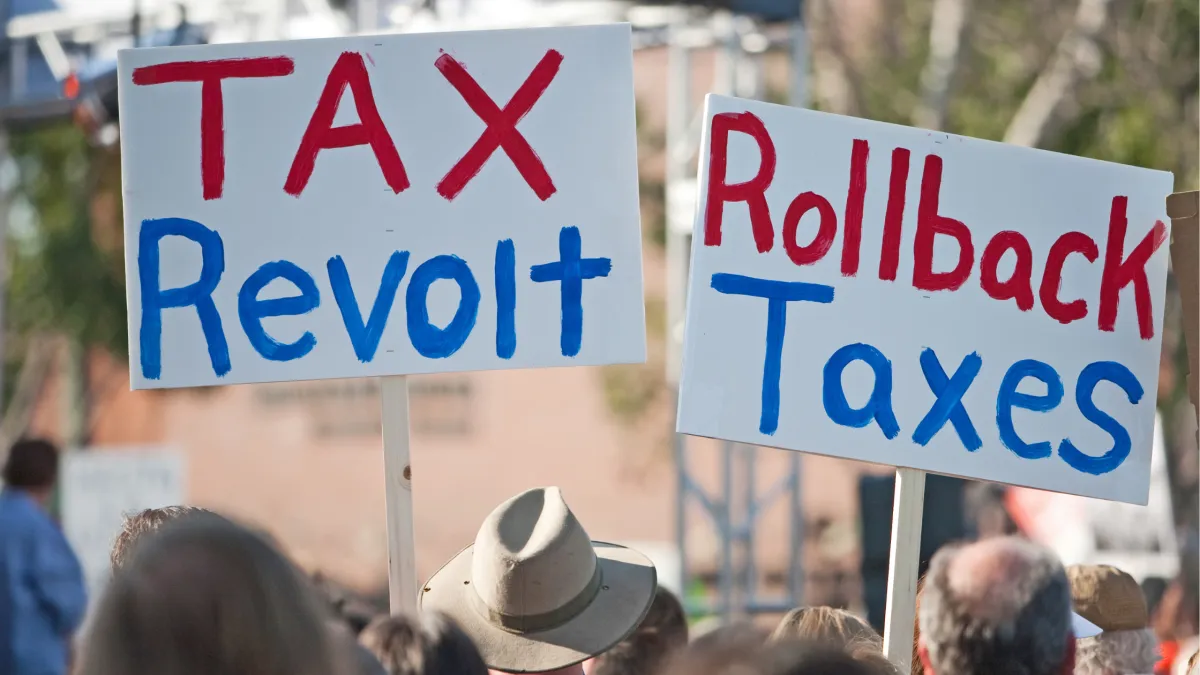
(139, 526)
(829, 626)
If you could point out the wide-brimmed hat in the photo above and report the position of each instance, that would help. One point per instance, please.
(535, 593)
(1108, 597)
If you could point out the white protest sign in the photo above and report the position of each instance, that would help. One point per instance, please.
(100, 486)
(381, 205)
(911, 298)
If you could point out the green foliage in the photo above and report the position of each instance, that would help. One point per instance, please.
(61, 280)
(1138, 106)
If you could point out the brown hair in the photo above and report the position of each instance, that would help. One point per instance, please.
(140, 524)
(836, 628)
(207, 597)
(663, 632)
(916, 667)
(32, 464)
(733, 648)
(784, 657)
(427, 645)
(877, 663)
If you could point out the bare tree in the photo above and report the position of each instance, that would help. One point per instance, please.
(1076, 57)
(835, 80)
(945, 39)
(35, 368)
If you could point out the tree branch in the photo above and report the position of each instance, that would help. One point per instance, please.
(39, 356)
(1075, 57)
(835, 82)
(945, 41)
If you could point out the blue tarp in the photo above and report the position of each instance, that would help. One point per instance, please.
(39, 85)
(41, 94)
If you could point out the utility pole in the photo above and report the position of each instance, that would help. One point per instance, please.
(735, 508)
(5, 202)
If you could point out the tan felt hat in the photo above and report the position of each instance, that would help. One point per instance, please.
(1108, 597)
(535, 593)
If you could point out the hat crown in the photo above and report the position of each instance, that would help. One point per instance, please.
(531, 556)
(1108, 597)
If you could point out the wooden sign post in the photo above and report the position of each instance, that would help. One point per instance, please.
(899, 619)
(926, 301)
(397, 474)
(285, 201)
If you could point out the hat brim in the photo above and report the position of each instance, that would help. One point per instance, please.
(1083, 628)
(628, 582)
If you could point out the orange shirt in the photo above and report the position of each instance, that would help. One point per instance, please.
(1169, 651)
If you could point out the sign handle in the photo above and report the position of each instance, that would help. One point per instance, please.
(397, 472)
(899, 620)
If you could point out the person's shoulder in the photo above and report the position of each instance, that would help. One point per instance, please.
(18, 520)
(16, 508)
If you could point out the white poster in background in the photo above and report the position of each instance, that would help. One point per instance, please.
(381, 205)
(101, 485)
(1138, 539)
(912, 298)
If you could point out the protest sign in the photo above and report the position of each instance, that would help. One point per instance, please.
(381, 206)
(988, 311)
(100, 486)
(912, 298)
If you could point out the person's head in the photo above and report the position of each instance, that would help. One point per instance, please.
(741, 654)
(836, 628)
(429, 644)
(1002, 605)
(818, 658)
(735, 648)
(137, 526)
(206, 596)
(354, 613)
(535, 593)
(663, 632)
(916, 667)
(1113, 601)
(32, 467)
(877, 662)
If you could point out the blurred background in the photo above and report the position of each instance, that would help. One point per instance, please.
(735, 529)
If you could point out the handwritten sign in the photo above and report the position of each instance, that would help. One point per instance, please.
(101, 486)
(381, 205)
(911, 298)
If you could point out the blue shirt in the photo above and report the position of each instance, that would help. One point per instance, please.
(42, 594)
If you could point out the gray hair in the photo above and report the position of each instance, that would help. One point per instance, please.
(1123, 652)
(998, 606)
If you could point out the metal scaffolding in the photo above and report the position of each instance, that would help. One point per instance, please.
(736, 509)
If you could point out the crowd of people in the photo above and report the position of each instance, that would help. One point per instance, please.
(194, 593)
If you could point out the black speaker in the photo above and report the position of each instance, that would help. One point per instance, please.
(943, 521)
